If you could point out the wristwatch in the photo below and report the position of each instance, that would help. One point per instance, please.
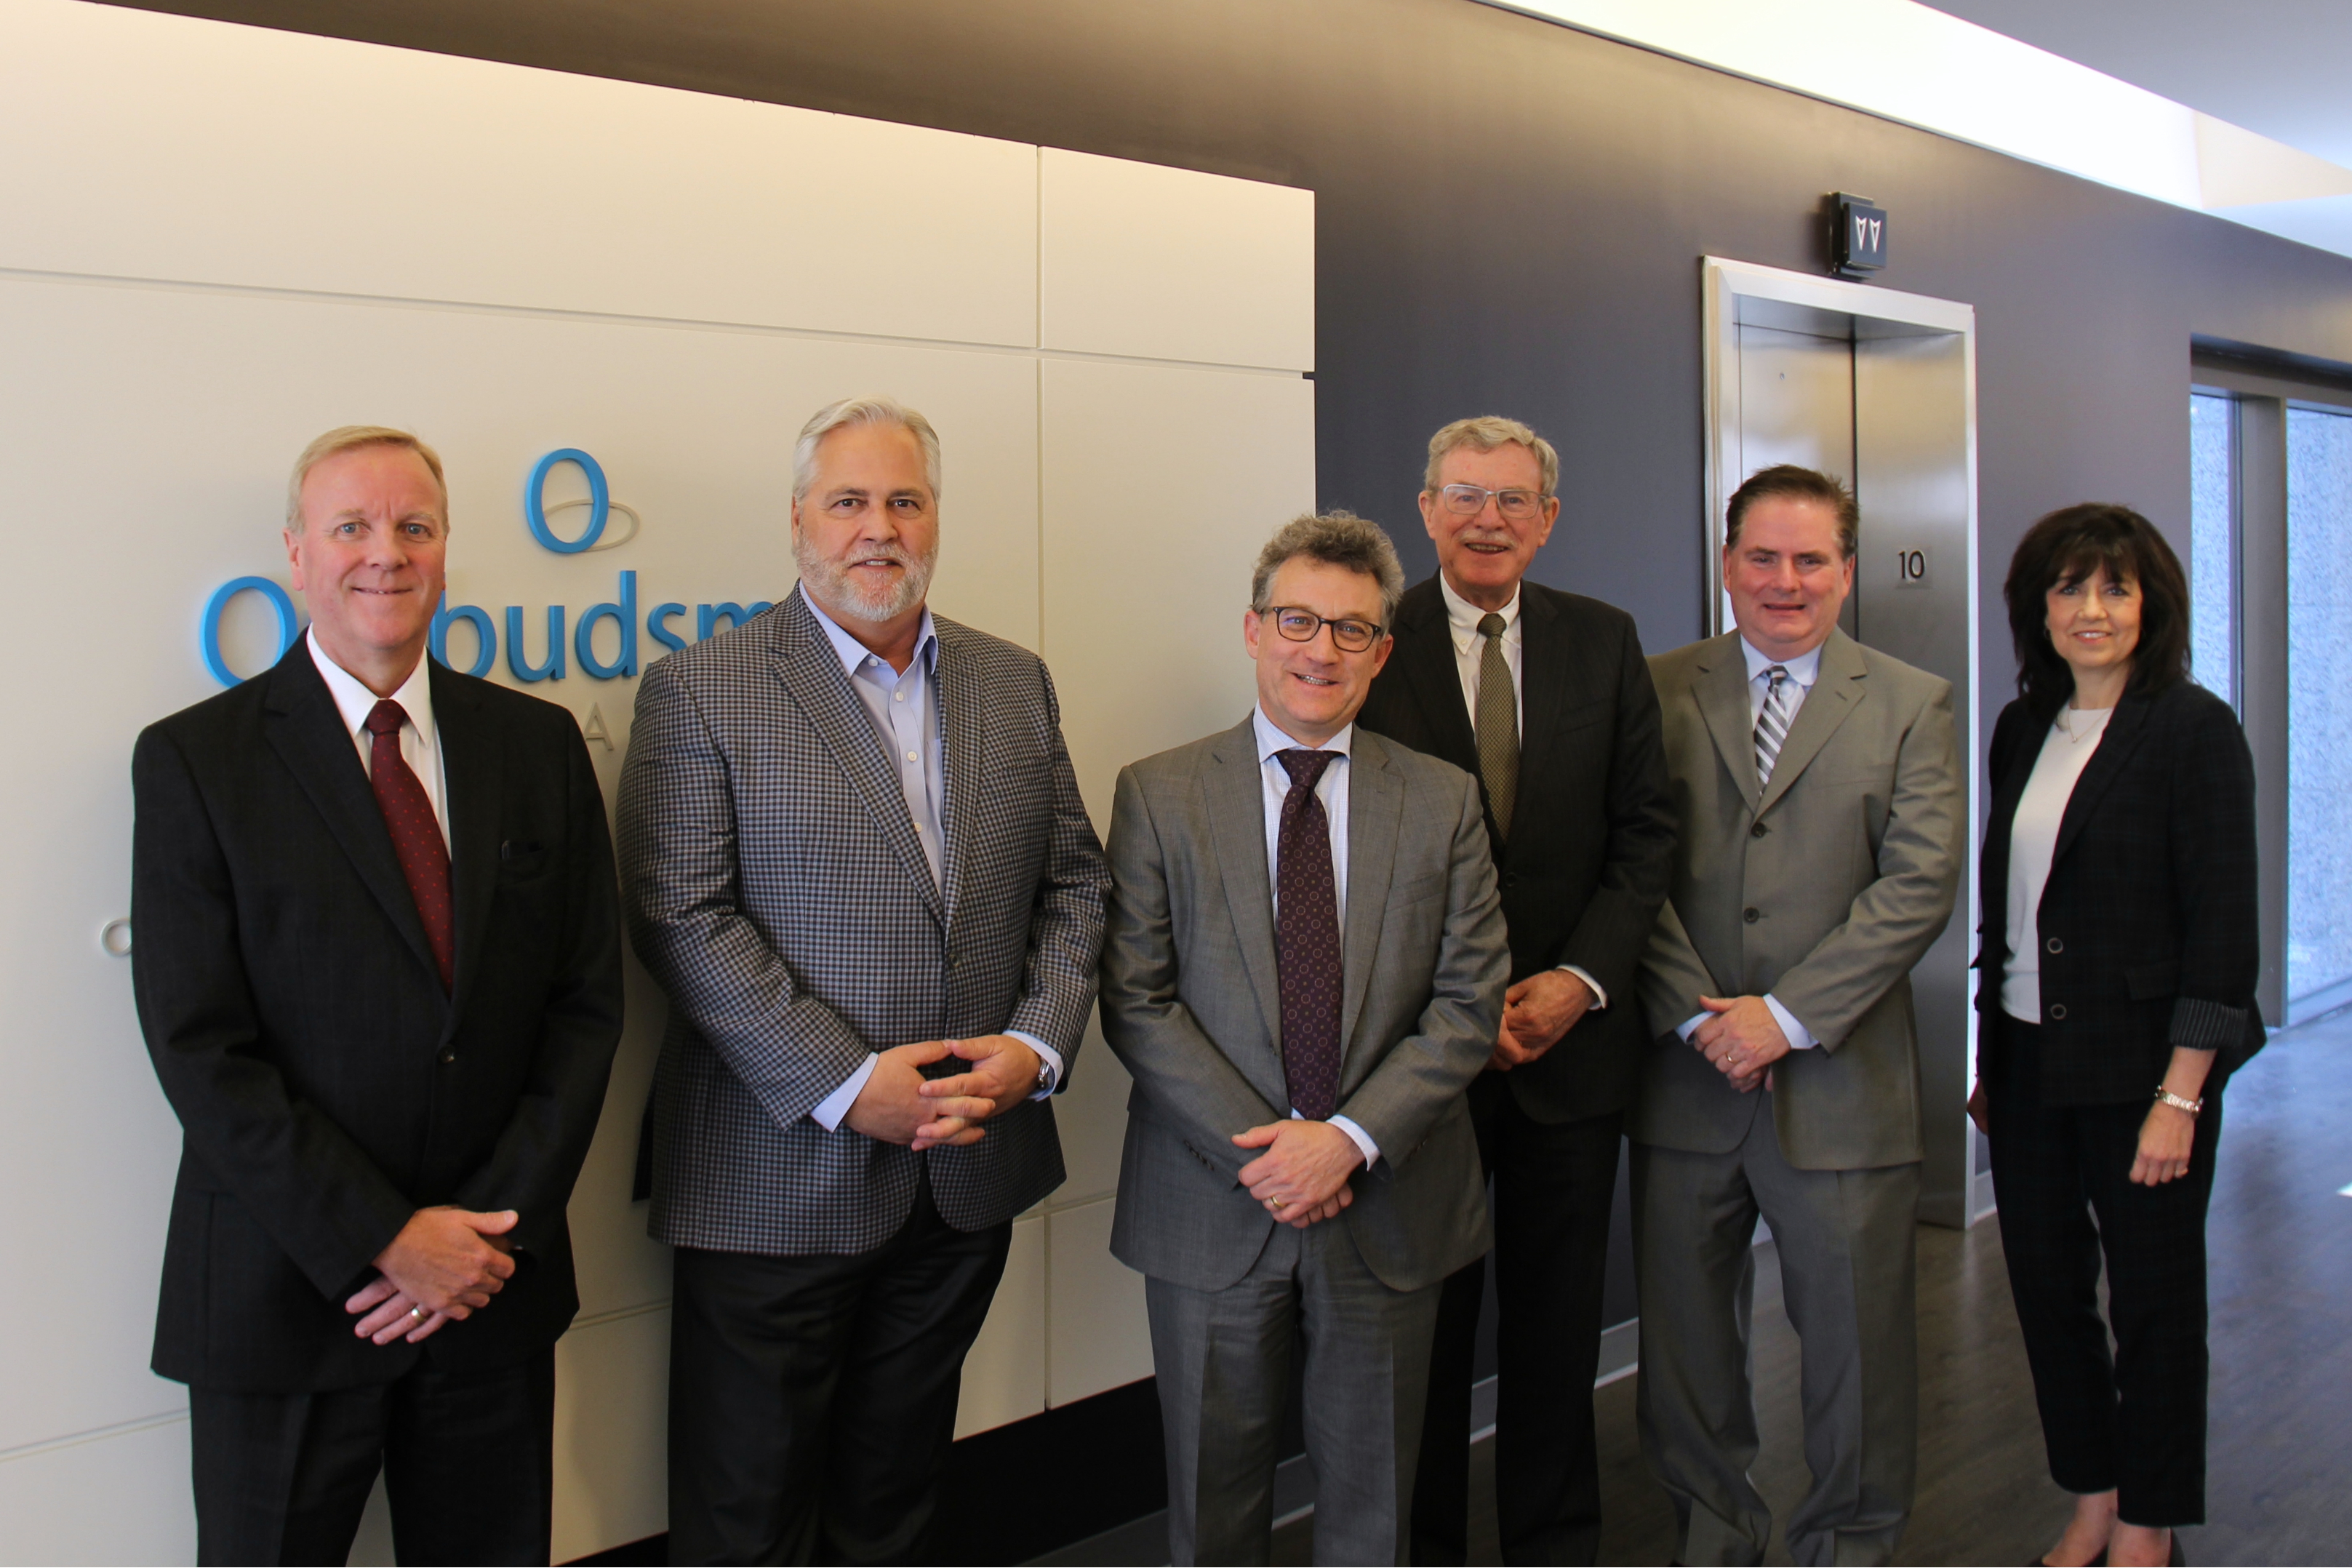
(1045, 1076)
(2166, 1096)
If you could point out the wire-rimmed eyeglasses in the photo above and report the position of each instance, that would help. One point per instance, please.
(1468, 501)
(1348, 634)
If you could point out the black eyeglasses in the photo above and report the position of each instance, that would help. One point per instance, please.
(1468, 501)
(1348, 635)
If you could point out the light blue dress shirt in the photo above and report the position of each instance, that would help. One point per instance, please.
(905, 708)
(1331, 790)
(1803, 669)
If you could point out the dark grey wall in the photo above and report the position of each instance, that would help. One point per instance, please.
(1510, 216)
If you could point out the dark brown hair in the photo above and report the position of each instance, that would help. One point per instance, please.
(1786, 479)
(2069, 545)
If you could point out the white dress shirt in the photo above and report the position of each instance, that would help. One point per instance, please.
(2066, 751)
(1462, 618)
(420, 737)
(1331, 790)
(905, 711)
(1802, 671)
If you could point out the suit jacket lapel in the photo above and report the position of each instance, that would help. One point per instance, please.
(2124, 728)
(472, 765)
(1837, 687)
(1426, 651)
(959, 725)
(811, 674)
(307, 731)
(1720, 689)
(1375, 813)
(1236, 810)
(1543, 680)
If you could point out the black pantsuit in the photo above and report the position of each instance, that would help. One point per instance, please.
(813, 1398)
(468, 1458)
(1551, 1243)
(2146, 945)
(2133, 1421)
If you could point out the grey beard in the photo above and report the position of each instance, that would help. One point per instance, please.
(836, 586)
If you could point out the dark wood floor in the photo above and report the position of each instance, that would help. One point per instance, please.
(2280, 1482)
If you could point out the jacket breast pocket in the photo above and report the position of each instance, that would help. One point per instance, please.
(2152, 982)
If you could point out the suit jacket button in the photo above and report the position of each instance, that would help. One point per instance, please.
(1752, 916)
(2054, 945)
(1758, 831)
(1510, 878)
(2057, 1012)
(449, 1057)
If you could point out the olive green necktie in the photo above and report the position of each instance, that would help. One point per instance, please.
(1498, 725)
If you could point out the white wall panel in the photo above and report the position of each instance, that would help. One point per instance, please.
(117, 1499)
(1157, 263)
(1101, 1338)
(267, 159)
(612, 1391)
(1004, 1375)
(1159, 484)
(222, 240)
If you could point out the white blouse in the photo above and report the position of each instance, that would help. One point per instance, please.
(2032, 839)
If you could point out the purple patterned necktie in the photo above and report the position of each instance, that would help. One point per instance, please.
(1307, 941)
(415, 834)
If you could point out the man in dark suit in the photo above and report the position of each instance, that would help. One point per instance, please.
(378, 967)
(858, 861)
(1546, 698)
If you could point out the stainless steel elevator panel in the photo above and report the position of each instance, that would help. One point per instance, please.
(1879, 388)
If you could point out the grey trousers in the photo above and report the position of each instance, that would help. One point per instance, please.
(1848, 1247)
(1223, 1360)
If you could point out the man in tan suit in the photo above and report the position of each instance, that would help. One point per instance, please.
(1818, 798)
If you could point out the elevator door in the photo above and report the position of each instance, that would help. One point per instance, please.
(1885, 401)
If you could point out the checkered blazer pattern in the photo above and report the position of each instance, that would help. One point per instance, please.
(776, 888)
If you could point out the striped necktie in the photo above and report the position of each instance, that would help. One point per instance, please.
(1772, 722)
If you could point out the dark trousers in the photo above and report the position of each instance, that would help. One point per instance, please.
(468, 1461)
(2134, 1421)
(1553, 1186)
(812, 1399)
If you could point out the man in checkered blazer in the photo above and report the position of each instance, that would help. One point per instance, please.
(856, 858)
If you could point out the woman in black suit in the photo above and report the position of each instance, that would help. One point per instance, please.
(2117, 979)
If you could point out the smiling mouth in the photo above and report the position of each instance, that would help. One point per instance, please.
(1311, 680)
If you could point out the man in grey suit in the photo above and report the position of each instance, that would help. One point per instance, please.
(1817, 796)
(1304, 969)
(857, 861)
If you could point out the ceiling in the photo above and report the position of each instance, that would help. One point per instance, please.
(2280, 67)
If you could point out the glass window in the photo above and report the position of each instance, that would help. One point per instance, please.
(2213, 547)
(2319, 700)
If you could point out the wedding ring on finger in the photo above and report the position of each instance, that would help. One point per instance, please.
(417, 1313)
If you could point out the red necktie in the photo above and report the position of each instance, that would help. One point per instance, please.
(1307, 941)
(415, 834)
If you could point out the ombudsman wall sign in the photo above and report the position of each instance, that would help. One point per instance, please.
(661, 623)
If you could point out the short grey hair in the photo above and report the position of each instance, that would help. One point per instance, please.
(1336, 539)
(1485, 432)
(351, 439)
(868, 410)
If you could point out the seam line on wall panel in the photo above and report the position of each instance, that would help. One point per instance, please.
(597, 1320)
(685, 323)
(95, 1435)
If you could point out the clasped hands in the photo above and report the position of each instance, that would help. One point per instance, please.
(445, 1265)
(1536, 1011)
(1741, 1041)
(899, 1105)
(1302, 1177)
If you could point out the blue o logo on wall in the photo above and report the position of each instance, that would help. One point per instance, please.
(599, 501)
(288, 625)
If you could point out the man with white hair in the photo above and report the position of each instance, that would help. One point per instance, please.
(855, 855)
